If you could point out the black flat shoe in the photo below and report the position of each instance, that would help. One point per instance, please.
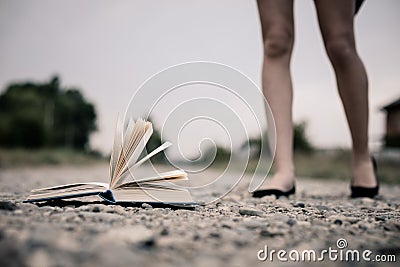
(276, 192)
(361, 191)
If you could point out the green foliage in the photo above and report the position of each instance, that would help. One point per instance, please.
(334, 164)
(223, 155)
(34, 115)
(153, 143)
(255, 145)
(21, 157)
(217, 155)
(300, 140)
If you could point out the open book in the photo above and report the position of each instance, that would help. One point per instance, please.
(123, 185)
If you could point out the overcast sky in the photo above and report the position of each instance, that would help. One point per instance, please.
(109, 48)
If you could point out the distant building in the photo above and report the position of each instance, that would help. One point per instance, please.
(392, 136)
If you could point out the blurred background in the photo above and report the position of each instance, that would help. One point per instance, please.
(68, 67)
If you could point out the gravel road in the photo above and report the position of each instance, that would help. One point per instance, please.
(232, 231)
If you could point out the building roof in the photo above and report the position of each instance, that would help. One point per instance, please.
(393, 105)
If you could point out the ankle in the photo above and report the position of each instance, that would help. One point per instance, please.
(363, 171)
(359, 157)
(285, 175)
(285, 171)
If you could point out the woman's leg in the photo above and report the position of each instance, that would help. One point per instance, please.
(278, 34)
(336, 24)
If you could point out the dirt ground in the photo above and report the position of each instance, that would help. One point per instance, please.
(236, 230)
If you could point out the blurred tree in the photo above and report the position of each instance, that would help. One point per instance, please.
(222, 155)
(153, 143)
(34, 115)
(300, 140)
(255, 145)
(218, 154)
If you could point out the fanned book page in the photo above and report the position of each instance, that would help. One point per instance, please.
(123, 163)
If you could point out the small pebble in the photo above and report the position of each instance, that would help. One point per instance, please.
(146, 206)
(250, 212)
(299, 204)
(7, 205)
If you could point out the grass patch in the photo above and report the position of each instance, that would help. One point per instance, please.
(10, 158)
(335, 165)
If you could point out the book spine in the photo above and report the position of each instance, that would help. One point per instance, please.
(107, 196)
